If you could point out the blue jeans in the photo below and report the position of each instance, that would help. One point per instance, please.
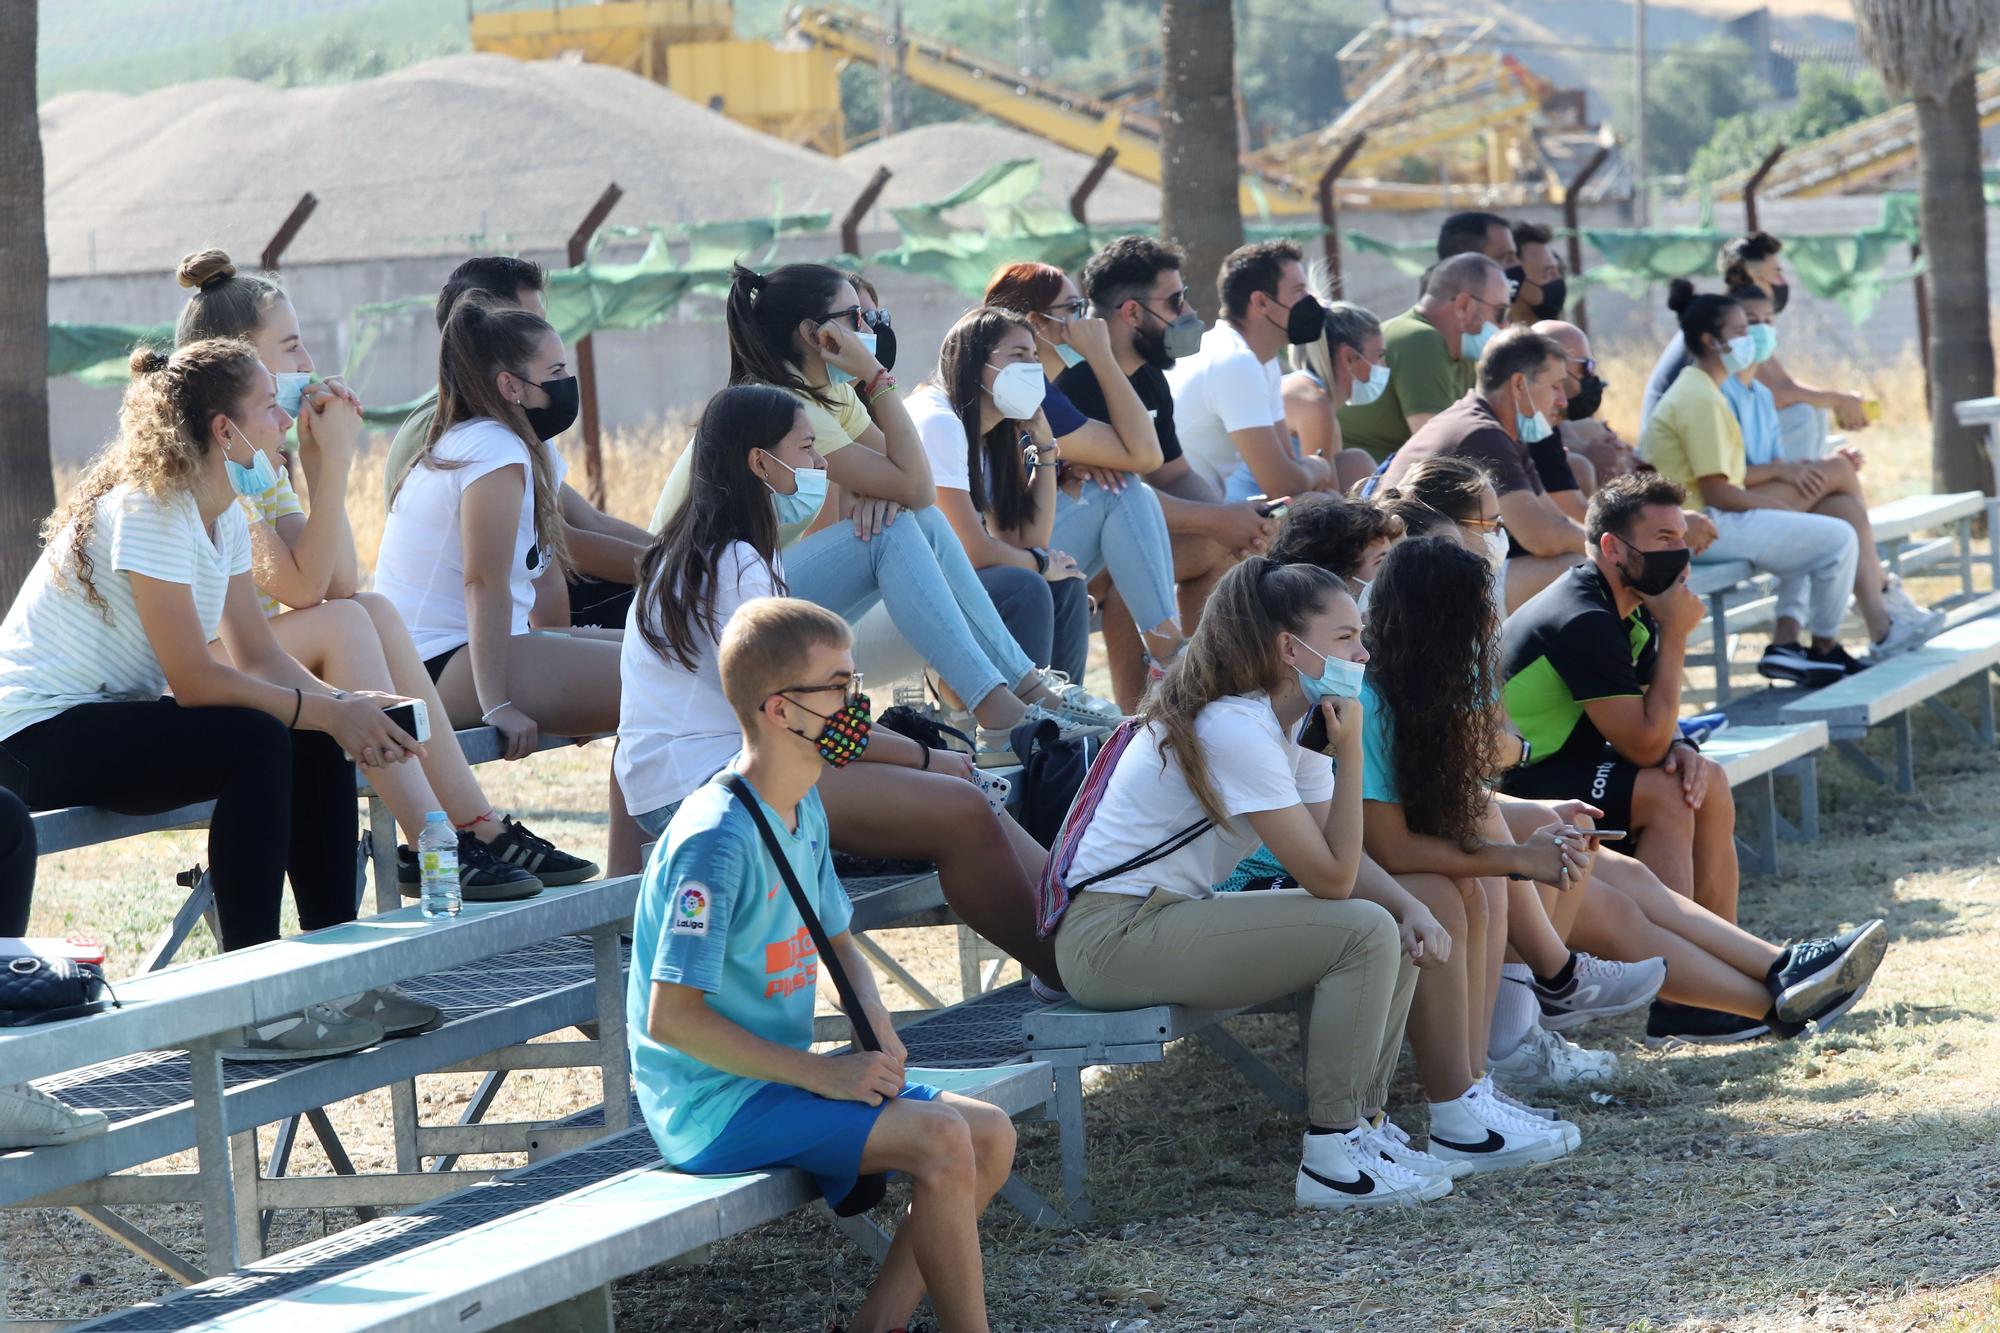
(654, 822)
(1051, 621)
(1125, 532)
(917, 568)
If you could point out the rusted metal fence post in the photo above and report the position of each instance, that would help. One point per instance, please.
(1329, 210)
(1092, 179)
(850, 225)
(1572, 200)
(586, 358)
(1756, 180)
(287, 231)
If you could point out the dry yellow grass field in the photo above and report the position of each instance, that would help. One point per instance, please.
(1847, 1183)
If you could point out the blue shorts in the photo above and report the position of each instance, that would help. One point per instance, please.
(786, 1126)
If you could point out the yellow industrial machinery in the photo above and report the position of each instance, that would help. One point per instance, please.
(691, 47)
(1867, 156)
(1446, 121)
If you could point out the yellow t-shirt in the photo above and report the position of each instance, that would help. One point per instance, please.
(1692, 434)
(281, 501)
(834, 428)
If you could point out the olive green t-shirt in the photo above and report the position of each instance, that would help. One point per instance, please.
(409, 441)
(1424, 377)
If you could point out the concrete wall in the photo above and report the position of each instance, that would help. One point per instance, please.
(669, 370)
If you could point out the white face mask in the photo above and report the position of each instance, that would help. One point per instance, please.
(1740, 354)
(1018, 390)
(1363, 392)
(1496, 549)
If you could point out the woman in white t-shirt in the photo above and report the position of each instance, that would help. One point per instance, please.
(1215, 768)
(308, 580)
(755, 460)
(996, 464)
(147, 562)
(476, 522)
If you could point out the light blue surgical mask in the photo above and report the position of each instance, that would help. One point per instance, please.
(291, 389)
(1764, 341)
(1363, 392)
(1471, 346)
(1068, 355)
(808, 493)
(1740, 354)
(1338, 678)
(835, 375)
(259, 476)
(1532, 430)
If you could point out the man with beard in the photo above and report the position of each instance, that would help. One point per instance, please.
(1134, 285)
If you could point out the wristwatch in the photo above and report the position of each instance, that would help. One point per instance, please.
(1527, 753)
(1041, 554)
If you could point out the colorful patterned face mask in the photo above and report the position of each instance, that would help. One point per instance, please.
(845, 734)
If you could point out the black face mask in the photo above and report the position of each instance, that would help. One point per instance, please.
(1658, 570)
(1781, 292)
(1151, 345)
(885, 345)
(1305, 322)
(1583, 404)
(1516, 275)
(565, 397)
(1554, 293)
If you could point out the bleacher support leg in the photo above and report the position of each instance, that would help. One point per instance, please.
(591, 1312)
(873, 1240)
(1718, 645)
(611, 1053)
(201, 895)
(244, 1167)
(1283, 1095)
(403, 1116)
(1965, 556)
(1069, 1135)
(1808, 775)
(211, 1137)
(1762, 855)
(1906, 755)
(382, 845)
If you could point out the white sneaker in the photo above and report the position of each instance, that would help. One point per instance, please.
(1901, 604)
(1479, 1129)
(996, 744)
(313, 1032)
(1544, 1060)
(1342, 1171)
(31, 1118)
(1907, 630)
(1076, 704)
(397, 1012)
(1600, 988)
(1390, 1143)
(1541, 1115)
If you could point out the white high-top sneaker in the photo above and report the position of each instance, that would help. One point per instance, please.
(31, 1118)
(1342, 1171)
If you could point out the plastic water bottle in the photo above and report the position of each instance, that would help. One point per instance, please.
(437, 855)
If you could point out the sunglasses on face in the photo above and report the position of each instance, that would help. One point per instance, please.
(1494, 524)
(1067, 309)
(851, 317)
(875, 319)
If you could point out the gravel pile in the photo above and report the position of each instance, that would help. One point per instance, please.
(932, 161)
(465, 152)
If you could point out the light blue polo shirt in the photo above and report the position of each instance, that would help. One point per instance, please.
(714, 914)
(1757, 414)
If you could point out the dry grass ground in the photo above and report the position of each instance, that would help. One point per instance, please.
(1846, 1183)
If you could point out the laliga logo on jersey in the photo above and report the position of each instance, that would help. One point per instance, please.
(691, 911)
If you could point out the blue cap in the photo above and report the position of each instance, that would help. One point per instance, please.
(435, 817)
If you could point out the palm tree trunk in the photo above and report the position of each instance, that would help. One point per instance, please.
(1954, 229)
(27, 491)
(1198, 174)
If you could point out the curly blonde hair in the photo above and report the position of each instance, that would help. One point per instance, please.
(162, 441)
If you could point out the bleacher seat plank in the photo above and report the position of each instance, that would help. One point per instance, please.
(1754, 757)
(534, 1238)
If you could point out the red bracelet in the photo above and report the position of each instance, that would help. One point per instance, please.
(875, 379)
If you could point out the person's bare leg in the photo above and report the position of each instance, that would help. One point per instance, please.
(1716, 873)
(1530, 938)
(1483, 965)
(957, 1157)
(1684, 917)
(1124, 652)
(458, 791)
(1664, 829)
(1529, 574)
(1612, 926)
(336, 642)
(869, 811)
(1441, 1009)
(1351, 467)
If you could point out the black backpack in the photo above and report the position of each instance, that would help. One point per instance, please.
(1052, 770)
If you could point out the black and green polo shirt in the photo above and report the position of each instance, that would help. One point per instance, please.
(1564, 648)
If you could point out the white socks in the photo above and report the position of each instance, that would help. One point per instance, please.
(1515, 1013)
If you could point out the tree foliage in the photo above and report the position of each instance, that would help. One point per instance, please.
(1689, 91)
(1829, 99)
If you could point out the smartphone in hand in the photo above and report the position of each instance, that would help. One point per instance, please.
(1312, 735)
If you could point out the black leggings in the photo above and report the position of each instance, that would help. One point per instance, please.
(284, 800)
(17, 863)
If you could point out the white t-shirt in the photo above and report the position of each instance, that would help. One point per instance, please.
(1252, 766)
(421, 565)
(943, 436)
(675, 726)
(57, 650)
(1221, 388)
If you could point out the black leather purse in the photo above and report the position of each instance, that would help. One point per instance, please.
(35, 988)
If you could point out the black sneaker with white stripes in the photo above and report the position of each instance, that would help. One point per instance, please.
(519, 846)
(1811, 972)
(481, 878)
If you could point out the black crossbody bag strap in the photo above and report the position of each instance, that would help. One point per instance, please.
(1157, 852)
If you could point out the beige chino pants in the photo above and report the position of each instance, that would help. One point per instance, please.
(1117, 951)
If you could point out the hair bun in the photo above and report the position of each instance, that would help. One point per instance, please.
(1680, 292)
(205, 268)
(147, 360)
